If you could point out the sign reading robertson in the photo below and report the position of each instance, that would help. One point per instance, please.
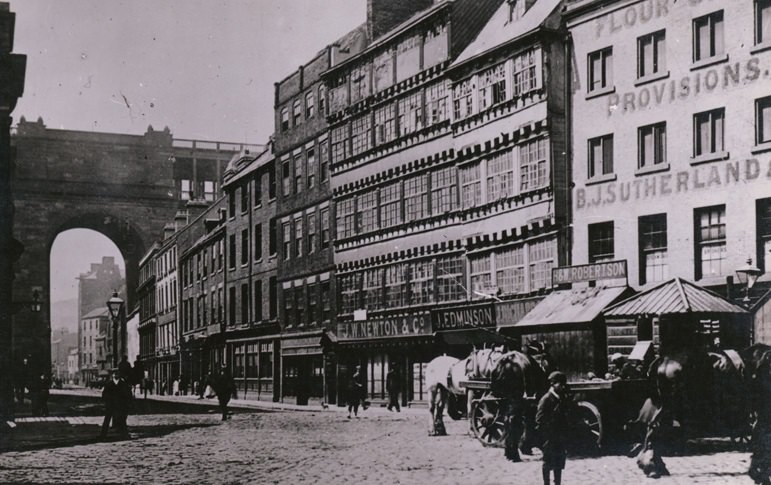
(589, 272)
(464, 317)
(400, 326)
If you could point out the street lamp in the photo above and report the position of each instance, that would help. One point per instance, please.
(35, 304)
(115, 305)
(748, 274)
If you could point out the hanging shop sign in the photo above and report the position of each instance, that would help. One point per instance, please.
(508, 313)
(610, 270)
(468, 316)
(396, 326)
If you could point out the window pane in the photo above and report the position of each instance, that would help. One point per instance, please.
(764, 21)
(764, 120)
(718, 34)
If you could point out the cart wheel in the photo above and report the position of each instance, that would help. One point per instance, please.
(588, 436)
(487, 422)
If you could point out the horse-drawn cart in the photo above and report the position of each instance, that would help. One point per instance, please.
(603, 407)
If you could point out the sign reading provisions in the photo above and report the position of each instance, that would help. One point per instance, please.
(470, 316)
(589, 272)
(398, 326)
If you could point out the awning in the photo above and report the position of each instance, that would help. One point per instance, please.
(676, 296)
(306, 345)
(473, 336)
(572, 306)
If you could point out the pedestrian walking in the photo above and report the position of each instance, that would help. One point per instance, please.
(393, 387)
(551, 422)
(224, 386)
(125, 371)
(42, 392)
(117, 396)
(356, 393)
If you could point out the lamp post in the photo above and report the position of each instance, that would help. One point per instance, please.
(115, 305)
(748, 274)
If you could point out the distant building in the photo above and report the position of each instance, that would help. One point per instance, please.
(62, 343)
(96, 286)
(73, 375)
(94, 346)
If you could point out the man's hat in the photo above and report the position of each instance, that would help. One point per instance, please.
(558, 376)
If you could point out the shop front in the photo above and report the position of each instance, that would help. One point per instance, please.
(460, 329)
(302, 368)
(253, 365)
(401, 341)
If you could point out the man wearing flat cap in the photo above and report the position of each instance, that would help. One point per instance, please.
(551, 423)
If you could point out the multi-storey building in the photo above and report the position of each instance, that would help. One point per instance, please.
(167, 362)
(399, 237)
(202, 304)
(303, 220)
(94, 345)
(252, 330)
(148, 318)
(671, 131)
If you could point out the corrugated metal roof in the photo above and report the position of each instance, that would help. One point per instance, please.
(500, 30)
(571, 306)
(674, 296)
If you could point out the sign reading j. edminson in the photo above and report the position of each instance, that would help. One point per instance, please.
(397, 326)
(470, 316)
(589, 272)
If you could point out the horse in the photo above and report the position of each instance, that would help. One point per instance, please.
(518, 377)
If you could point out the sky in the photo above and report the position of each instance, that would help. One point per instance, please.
(204, 68)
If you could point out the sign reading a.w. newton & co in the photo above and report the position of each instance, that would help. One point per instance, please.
(397, 326)
(610, 270)
(469, 316)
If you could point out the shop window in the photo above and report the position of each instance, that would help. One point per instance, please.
(257, 242)
(310, 155)
(492, 87)
(708, 39)
(312, 303)
(600, 73)
(310, 105)
(390, 205)
(463, 99)
(298, 236)
(266, 360)
(710, 241)
(763, 120)
(542, 257)
(421, 282)
(525, 75)
(346, 217)
(444, 191)
(396, 285)
(361, 134)
(411, 113)
(763, 211)
(654, 262)
(436, 103)
(231, 251)
(500, 176)
(311, 221)
(186, 189)
(416, 198)
(652, 145)
(601, 242)
(285, 231)
(298, 173)
(708, 129)
(367, 211)
(534, 164)
(284, 119)
(244, 246)
(296, 112)
(339, 137)
(600, 156)
(326, 302)
(651, 54)
(373, 289)
(470, 185)
(450, 278)
(481, 276)
(324, 216)
(510, 270)
(286, 177)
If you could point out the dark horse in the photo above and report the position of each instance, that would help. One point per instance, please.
(520, 381)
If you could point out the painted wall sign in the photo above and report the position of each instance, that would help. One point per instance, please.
(510, 312)
(589, 272)
(400, 326)
(700, 82)
(697, 178)
(625, 18)
(457, 318)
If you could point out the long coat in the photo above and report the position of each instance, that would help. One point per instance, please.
(117, 397)
(551, 421)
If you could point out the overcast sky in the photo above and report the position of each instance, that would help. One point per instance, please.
(204, 68)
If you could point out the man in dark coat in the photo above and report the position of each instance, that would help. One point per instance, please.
(124, 370)
(551, 421)
(224, 386)
(357, 393)
(393, 387)
(117, 396)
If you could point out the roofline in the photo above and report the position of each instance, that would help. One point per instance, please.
(569, 13)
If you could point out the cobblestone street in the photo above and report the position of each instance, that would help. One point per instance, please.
(326, 447)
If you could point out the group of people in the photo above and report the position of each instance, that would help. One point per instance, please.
(357, 390)
(220, 385)
(36, 385)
